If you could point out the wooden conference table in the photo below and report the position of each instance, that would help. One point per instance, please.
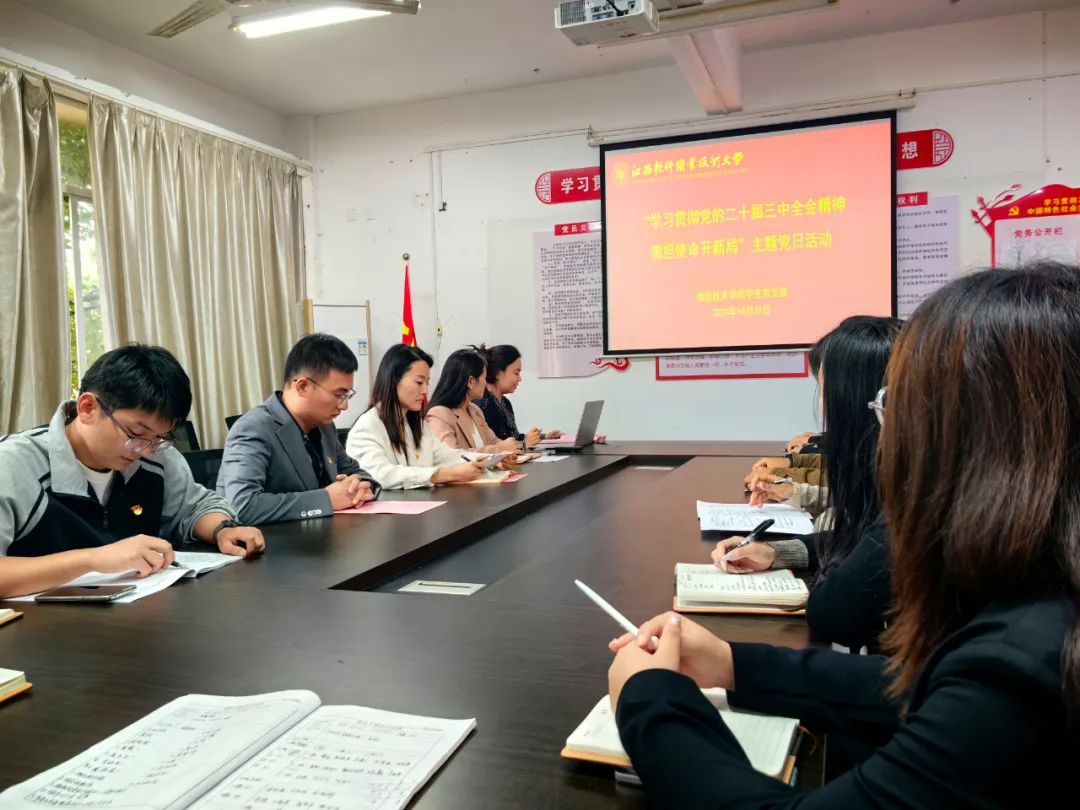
(526, 655)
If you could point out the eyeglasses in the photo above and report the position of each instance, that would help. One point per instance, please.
(342, 398)
(136, 444)
(878, 405)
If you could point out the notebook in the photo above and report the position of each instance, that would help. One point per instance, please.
(275, 750)
(8, 615)
(144, 586)
(740, 517)
(195, 563)
(12, 683)
(707, 589)
(768, 741)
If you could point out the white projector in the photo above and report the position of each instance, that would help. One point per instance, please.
(593, 22)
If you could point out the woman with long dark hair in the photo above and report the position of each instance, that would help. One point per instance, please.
(504, 377)
(978, 701)
(391, 435)
(453, 417)
(849, 553)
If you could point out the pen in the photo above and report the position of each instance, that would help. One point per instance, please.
(759, 530)
(620, 620)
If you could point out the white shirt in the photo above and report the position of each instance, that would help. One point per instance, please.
(369, 444)
(477, 439)
(100, 481)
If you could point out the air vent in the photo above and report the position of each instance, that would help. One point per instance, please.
(571, 12)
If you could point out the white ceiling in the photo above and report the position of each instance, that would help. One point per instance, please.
(451, 47)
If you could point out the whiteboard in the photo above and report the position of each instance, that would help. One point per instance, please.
(352, 324)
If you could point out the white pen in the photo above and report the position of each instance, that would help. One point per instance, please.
(621, 620)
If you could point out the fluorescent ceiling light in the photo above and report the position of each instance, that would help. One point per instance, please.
(268, 25)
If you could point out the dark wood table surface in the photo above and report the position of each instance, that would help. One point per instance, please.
(526, 655)
(662, 450)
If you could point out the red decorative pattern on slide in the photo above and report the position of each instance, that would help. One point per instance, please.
(619, 363)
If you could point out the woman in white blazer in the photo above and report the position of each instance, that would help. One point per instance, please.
(392, 441)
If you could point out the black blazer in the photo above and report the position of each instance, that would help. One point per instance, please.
(985, 725)
(501, 426)
(849, 601)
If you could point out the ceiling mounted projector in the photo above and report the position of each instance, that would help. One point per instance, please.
(608, 22)
(593, 22)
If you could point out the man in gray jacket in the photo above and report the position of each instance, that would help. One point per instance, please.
(282, 459)
(101, 488)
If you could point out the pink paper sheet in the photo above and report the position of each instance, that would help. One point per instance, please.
(392, 508)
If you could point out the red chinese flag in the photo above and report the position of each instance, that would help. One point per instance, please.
(408, 329)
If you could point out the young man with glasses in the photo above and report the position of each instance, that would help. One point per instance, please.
(101, 488)
(283, 460)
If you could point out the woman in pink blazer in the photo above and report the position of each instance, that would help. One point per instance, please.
(453, 417)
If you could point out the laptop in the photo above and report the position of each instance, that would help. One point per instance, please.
(586, 432)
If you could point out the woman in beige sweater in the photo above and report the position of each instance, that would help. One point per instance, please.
(453, 417)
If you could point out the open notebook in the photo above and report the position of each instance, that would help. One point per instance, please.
(188, 564)
(707, 589)
(275, 750)
(733, 518)
(767, 741)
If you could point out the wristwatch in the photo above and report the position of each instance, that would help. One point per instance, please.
(225, 524)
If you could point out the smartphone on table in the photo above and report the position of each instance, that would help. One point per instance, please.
(85, 593)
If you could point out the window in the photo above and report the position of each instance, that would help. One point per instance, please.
(80, 241)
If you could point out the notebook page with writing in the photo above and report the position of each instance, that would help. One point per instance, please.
(740, 517)
(765, 740)
(343, 757)
(706, 583)
(167, 759)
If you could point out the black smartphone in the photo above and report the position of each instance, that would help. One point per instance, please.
(85, 593)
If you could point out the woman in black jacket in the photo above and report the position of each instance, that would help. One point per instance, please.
(503, 377)
(978, 703)
(849, 555)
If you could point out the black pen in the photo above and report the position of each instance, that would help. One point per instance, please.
(759, 530)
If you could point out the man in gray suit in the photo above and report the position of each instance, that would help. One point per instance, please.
(282, 459)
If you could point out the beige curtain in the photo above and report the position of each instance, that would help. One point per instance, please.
(201, 249)
(34, 338)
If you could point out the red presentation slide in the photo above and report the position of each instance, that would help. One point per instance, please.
(764, 240)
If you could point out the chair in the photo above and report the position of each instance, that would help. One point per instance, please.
(231, 420)
(185, 439)
(205, 465)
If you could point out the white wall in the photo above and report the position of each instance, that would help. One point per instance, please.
(28, 33)
(982, 81)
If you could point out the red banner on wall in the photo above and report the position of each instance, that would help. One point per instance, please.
(568, 185)
(574, 228)
(913, 199)
(923, 148)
